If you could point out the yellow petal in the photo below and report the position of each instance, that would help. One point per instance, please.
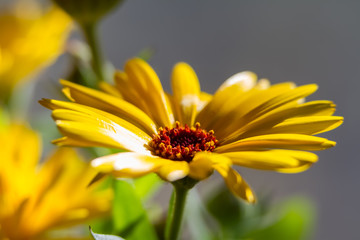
(226, 95)
(279, 100)
(231, 113)
(144, 80)
(103, 133)
(263, 84)
(306, 159)
(186, 92)
(173, 170)
(304, 125)
(272, 118)
(244, 81)
(20, 153)
(109, 89)
(66, 141)
(258, 104)
(131, 165)
(130, 94)
(283, 141)
(32, 42)
(111, 104)
(276, 160)
(205, 98)
(93, 115)
(28, 154)
(236, 184)
(202, 166)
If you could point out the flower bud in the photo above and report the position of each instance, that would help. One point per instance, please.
(87, 11)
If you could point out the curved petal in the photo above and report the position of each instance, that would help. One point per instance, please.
(236, 184)
(276, 160)
(104, 134)
(122, 84)
(202, 165)
(242, 80)
(93, 114)
(26, 156)
(283, 141)
(230, 90)
(257, 103)
(304, 125)
(111, 104)
(272, 118)
(173, 170)
(232, 115)
(205, 98)
(129, 165)
(93, 127)
(109, 89)
(144, 80)
(20, 153)
(186, 93)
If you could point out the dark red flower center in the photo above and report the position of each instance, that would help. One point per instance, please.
(182, 142)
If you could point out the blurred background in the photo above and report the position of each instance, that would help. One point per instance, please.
(300, 41)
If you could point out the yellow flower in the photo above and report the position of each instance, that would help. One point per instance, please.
(30, 39)
(192, 133)
(36, 198)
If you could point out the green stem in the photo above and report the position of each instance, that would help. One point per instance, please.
(176, 211)
(177, 205)
(90, 31)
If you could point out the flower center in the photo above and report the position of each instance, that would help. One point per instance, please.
(181, 143)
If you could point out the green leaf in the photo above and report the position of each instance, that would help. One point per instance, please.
(129, 217)
(196, 216)
(225, 208)
(103, 236)
(296, 222)
(146, 186)
(292, 219)
(230, 213)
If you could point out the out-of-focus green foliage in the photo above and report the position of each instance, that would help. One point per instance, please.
(296, 222)
(147, 185)
(129, 216)
(81, 72)
(292, 220)
(197, 218)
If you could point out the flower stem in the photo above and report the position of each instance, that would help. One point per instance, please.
(177, 206)
(90, 31)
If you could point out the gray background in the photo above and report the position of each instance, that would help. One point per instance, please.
(300, 41)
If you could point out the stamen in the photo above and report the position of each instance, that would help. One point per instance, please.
(182, 143)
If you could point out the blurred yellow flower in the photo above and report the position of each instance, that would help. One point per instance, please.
(35, 198)
(30, 39)
(247, 122)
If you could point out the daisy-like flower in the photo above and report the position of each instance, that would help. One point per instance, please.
(37, 198)
(31, 38)
(189, 134)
